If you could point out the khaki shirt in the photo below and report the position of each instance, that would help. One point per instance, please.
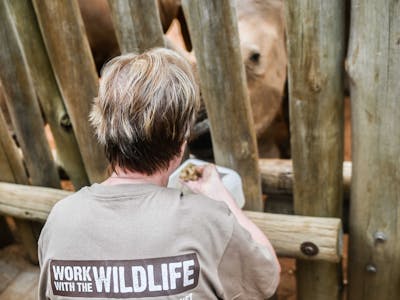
(141, 241)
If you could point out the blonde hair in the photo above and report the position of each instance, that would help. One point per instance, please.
(145, 108)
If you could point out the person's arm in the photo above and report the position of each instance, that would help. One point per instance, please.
(210, 184)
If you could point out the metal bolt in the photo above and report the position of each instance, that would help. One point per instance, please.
(309, 248)
(379, 237)
(371, 268)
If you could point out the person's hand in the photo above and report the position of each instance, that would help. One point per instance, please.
(209, 183)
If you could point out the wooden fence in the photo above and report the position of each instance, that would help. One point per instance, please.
(46, 68)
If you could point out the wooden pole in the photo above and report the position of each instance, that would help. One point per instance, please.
(23, 106)
(137, 25)
(68, 49)
(12, 170)
(48, 92)
(277, 176)
(316, 57)
(6, 236)
(373, 64)
(213, 29)
(287, 233)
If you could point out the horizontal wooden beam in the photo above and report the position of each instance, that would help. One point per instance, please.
(28, 202)
(321, 238)
(277, 176)
(287, 233)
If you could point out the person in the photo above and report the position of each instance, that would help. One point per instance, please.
(132, 237)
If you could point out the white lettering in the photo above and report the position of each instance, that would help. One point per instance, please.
(64, 286)
(70, 286)
(77, 273)
(89, 287)
(69, 273)
(58, 272)
(173, 274)
(84, 287)
(80, 286)
(58, 285)
(101, 279)
(139, 271)
(86, 276)
(164, 276)
(187, 272)
(115, 279)
(150, 274)
(123, 288)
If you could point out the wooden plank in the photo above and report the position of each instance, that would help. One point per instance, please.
(8, 269)
(277, 176)
(18, 277)
(11, 167)
(48, 93)
(12, 170)
(8, 272)
(287, 233)
(68, 49)
(137, 25)
(316, 50)
(214, 33)
(22, 105)
(28, 202)
(373, 64)
(24, 286)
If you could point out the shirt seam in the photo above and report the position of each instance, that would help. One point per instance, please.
(226, 245)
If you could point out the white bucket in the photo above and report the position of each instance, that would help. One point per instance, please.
(230, 178)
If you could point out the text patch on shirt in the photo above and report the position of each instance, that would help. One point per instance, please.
(151, 277)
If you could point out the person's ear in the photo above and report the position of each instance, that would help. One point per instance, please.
(183, 147)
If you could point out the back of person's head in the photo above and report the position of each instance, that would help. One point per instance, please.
(145, 108)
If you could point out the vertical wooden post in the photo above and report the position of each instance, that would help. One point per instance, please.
(68, 49)
(48, 92)
(316, 58)
(23, 106)
(373, 64)
(214, 33)
(12, 170)
(6, 236)
(137, 25)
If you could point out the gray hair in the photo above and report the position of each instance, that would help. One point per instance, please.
(145, 108)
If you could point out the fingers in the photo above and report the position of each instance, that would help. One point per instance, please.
(192, 185)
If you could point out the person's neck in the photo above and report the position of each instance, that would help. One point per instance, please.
(121, 176)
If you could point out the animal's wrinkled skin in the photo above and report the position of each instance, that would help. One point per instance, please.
(262, 42)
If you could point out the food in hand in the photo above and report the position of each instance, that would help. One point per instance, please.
(190, 173)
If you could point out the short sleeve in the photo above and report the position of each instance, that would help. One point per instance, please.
(247, 270)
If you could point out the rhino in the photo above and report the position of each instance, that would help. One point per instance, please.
(262, 40)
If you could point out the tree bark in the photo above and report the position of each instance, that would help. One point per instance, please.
(137, 25)
(373, 64)
(12, 171)
(48, 93)
(277, 176)
(286, 233)
(23, 106)
(214, 33)
(316, 55)
(64, 35)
